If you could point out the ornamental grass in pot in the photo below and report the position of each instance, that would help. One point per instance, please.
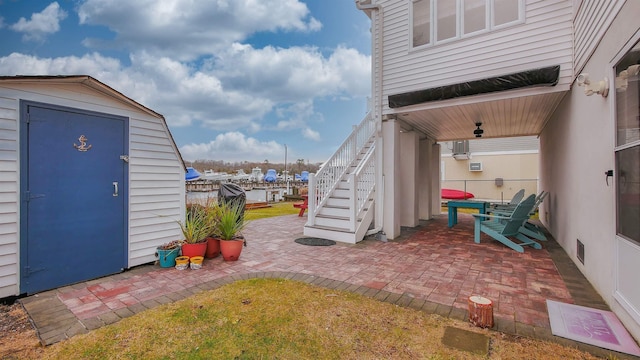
(213, 241)
(230, 223)
(195, 229)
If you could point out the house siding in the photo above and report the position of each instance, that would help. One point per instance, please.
(544, 39)
(156, 173)
(592, 19)
(576, 148)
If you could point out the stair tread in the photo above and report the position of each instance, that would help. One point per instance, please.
(330, 228)
(336, 217)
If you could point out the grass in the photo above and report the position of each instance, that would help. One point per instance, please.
(277, 209)
(275, 318)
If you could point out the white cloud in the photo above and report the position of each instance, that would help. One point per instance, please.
(187, 29)
(237, 90)
(233, 146)
(41, 24)
(294, 74)
(310, 134)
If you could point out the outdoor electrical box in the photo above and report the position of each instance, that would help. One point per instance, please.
(499, 182)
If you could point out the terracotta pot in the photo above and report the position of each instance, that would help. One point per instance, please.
(213, 248)
(231, 249)
(197, 249)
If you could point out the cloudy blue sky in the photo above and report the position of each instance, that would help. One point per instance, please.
(235, 79)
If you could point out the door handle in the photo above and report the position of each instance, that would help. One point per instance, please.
(115, 188)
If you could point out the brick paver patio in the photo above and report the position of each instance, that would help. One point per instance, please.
(431, 268)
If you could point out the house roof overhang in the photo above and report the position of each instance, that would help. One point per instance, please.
(96, 85)
(520, 112)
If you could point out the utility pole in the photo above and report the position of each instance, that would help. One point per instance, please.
(286, 173)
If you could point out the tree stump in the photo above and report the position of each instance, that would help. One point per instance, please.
(480, 311)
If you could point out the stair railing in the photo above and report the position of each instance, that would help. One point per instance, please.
(362, 184)
(327, 178)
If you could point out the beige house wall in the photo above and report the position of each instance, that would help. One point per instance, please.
(518, 171)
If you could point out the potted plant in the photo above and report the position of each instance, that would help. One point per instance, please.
(195, 229)
(230, 223)
(213, 241)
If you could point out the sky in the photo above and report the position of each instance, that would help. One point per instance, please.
(236, 80)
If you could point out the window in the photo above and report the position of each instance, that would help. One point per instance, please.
(627, 155)
(435, 21)
(421, 22)
(474, 15)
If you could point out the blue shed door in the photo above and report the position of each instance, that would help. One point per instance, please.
(73, 218)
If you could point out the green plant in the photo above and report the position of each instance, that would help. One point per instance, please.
(230, 221)
(196, 226)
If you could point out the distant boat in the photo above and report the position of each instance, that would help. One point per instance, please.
(241, 176)
(217, 176)
(256, 175)
(271, 176)
(192, 174)
(452, 194)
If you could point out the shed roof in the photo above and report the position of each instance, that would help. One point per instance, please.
(96, 85)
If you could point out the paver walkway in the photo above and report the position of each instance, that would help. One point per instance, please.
(431, 268)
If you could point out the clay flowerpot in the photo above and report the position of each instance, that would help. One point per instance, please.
(213, 248)
(231, 249)
(197, 249)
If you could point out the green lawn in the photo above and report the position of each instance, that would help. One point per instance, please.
(276, 209)
(284, 319)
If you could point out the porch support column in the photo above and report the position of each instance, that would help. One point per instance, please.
(409, 147)
(391, 174)
(436, 206)
(425, 183)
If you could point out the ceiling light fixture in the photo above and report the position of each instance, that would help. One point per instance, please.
(478, 132)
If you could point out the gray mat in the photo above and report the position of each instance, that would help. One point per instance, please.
(311, 241)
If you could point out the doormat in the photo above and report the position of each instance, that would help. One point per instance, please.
(466, 340)
(591, 326)
(311, 241)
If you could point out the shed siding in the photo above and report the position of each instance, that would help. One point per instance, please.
(544, 39)
(156, 189)
(8, 196)
(592, 19)
(156, 174)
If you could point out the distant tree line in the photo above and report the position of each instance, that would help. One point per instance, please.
(295, 167)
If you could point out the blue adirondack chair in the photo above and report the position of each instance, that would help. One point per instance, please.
(528, 228)
(505, 228)
(515, 200)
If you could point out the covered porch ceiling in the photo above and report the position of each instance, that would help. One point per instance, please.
(505, 114)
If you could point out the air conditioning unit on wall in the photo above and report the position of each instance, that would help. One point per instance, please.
(475, 166)
(460, 149)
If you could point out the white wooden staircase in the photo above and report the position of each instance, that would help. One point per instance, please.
(344, 187)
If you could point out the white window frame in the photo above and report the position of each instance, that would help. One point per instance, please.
(433, 27)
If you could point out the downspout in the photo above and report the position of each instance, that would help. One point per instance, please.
(377, 93)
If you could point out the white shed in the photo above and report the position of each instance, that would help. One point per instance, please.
(91, 182)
